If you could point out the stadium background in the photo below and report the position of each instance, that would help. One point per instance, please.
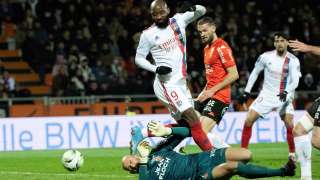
(76, 57)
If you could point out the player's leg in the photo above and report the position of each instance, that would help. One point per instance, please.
(303, 144)
(314, 112)
(316, 137)
(180, 101)
(199, 136)
(250, 171)
(252, 116)
(238, 154)
(288, 121)
(212, 114)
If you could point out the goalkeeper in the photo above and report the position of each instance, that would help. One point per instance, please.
(164, 163)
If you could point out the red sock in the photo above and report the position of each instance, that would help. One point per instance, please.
(200, 137)
(290, 140)
(246, 135)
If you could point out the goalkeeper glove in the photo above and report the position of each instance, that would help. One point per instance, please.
(143, 151)
(163, 70)
(157, 129)
(283, 96)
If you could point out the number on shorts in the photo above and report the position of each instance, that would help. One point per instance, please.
(174, 95)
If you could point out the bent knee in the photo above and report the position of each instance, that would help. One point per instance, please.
(316, 143)
(247, 155)
(298, 130)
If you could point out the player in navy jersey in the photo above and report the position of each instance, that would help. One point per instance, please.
(164, 163)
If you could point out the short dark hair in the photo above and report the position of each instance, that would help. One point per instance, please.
(206, 20)
(281, 34)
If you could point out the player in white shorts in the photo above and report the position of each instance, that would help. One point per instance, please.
(166, 41)
(309, 122)
(281, 78)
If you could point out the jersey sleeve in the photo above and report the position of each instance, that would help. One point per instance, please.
(226, 57)
(191, 16)
(258, 67)
(143, 172)
(295, 74)
(143, 50)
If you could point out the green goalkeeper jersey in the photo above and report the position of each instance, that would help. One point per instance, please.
(164, 163)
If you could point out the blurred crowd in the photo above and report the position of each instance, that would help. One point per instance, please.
(89, 45)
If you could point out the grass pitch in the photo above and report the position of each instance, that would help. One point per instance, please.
(105, 163)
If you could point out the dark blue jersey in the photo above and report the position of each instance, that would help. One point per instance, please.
(164, 163)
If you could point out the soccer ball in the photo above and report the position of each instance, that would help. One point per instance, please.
(72, 160)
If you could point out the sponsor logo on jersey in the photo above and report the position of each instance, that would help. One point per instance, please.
(162, 167)
(168, 45)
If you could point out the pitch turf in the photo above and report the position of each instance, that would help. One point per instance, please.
(105, 163)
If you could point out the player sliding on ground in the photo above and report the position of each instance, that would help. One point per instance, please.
(164, 163)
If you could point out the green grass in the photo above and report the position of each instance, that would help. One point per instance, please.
(105, 163)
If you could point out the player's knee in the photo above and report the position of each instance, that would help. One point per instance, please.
(247, 155)
(231, 166)
(251, 118)
(190, 116)
(316, 142)
(249, 121)
(298, 130)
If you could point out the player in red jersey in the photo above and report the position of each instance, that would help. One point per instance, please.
(221, 72)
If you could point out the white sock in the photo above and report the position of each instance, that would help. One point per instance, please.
(216, 141)
(303, 150)
(182, 144)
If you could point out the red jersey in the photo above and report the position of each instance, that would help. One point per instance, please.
(217, 58)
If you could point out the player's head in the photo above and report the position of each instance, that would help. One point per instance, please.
(130, 163)
(207, 29)
(160, 13)
(280, 41)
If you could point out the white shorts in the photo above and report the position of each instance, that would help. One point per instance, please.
(176, 97)
(265, 103)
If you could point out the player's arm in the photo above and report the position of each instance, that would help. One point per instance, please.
(295, 74)
(194, 13)
(142, 52)
(143, 172)
(143, 151)
(259, 66)
(230, 78)
(176, 135)
(302, 47)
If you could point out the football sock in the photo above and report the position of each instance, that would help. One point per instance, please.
(303, 150)
(200, 137)
(246, 135)
(217, 141)
(290, 139)
(253, 171)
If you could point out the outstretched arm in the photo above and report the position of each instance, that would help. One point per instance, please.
(259, 66)
(302, 47)
(176, 135)
(141, 54)
(194, 13)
